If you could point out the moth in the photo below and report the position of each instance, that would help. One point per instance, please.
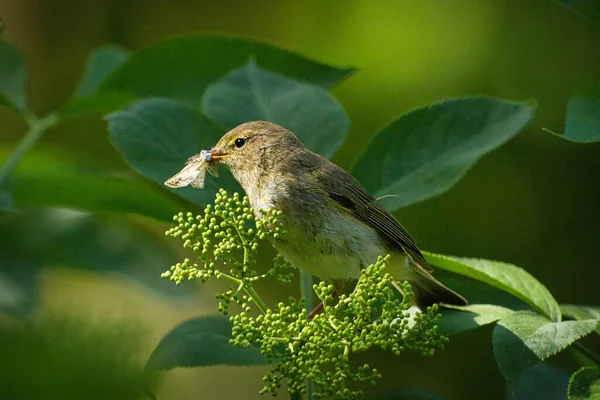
(194, 172)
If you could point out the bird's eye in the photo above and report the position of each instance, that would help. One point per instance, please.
(239, 142)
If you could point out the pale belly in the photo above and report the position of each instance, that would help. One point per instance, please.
(338, 249)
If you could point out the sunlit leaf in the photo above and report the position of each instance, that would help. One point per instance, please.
(507, 277)
(101, 63)
(183, 67)
(581, 312)
(13, 78)
(157, 136)
(251, 93)
(201, 342)
(524, 339)
(425, 152)
(464, 318)
(585, 384)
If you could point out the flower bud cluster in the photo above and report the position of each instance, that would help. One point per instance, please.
(226, 239)
(320, 349)
(375, 315)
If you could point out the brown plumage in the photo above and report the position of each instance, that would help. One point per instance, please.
(335, 227)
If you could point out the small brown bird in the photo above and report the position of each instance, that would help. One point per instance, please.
(334, 226)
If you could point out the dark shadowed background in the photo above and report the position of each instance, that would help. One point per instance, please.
(535, 202)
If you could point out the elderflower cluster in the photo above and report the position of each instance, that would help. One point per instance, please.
(374, 315)
(319, 350)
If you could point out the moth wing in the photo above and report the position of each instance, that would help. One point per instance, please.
(187, 175)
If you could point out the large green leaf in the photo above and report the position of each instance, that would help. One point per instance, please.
(157, 136)
(182, 68)
(425, 152)
(581, 312)
(102, 62)
(507, 277)
(541, 382)
(585, 384)
(93, 193)
(525, 338)
(201, 342)
(583, 115)
(464, 318)
(13, 78)
(251, 93)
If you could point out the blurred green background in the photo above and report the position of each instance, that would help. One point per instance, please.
(535, 202)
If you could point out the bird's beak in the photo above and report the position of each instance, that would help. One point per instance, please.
(217, 154)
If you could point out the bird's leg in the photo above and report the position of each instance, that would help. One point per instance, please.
(314, 312)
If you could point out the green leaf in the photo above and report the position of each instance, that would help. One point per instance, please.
(460, 319)
(581, 312)
(583, 115)
(13, 78)
(587, 8)
(425, 152)
(157, 136)
(201, 342)
(93, 193)
(507, 277)
(97, 104)
(542, 382)
(525, 338)
(251, 93)
(182, 68)
(102, 62)
(585, 384)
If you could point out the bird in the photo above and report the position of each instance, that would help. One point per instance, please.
(334, 227)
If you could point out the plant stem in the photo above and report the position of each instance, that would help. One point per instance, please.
(259, 302)
(306, 291)
(37, 127)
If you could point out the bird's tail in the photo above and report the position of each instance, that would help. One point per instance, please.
(429, 291)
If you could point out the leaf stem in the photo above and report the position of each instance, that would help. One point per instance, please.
(259, 302)
(37, 127)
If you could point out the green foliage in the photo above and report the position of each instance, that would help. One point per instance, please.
(507, 277)
(95, 193)
(251, 93)
(158, 70)
(101, 63)
(438, 144)
(583, 115)
(419, 155)
(587, 8)
(317, 349)
(13, 78)
(459, 319)
(585, 384)
(61, 358)
(525, 338)
(157, 136)
(201, 342)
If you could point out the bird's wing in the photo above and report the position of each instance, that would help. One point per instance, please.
(342, 188)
